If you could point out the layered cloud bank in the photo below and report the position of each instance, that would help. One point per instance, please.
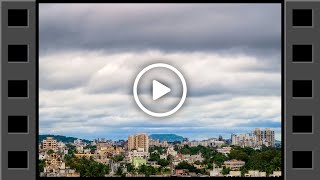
(93, 91)
(90, 56)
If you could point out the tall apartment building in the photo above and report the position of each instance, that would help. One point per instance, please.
(269, 137)
(138, 141)
(234, 139)
(259, 135)
(257, 138)
(265, 137)
(244, 140)
(49, 143)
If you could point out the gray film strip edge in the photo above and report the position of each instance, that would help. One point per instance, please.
(26, 106)
(302, 71)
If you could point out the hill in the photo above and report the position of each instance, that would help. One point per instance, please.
(167, 137)
(64, 139)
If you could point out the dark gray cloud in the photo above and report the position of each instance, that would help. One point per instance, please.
(252, 28)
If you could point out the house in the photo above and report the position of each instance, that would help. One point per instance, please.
(182, 172)
(234, 164)
(234, 174)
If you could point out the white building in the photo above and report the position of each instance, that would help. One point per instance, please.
(171, 151)
(77, 142)
(275, 174)
(255, 173)
(137, 153)
(224, 150)
(215, 171)
(234, 174)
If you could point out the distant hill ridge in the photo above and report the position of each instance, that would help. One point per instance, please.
(167, 137)
(64, 139)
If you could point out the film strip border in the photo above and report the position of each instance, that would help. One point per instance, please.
(18, 75)
(302, 125)
(18, 82)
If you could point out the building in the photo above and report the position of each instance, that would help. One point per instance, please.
(163, 156)
(215, 171)
(137, 141)
(213, 142)
(181, 172)
(77, 142)
(155, 142)
(196, 157)
(255, 173)
(275, 174)
(49, 143)
(265, 137)
(244, 140)
(234, 139)
(137, 153)
(255, 139)
(224, 150)
(79, 149)
(89, 155)
(269, 137)
(234, 174)
(234, 164)
(171, 151)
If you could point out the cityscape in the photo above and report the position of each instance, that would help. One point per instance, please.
(255, 154)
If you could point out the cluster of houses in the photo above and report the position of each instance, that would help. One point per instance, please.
(53, 153)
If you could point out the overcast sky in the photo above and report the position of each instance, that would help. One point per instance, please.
(90, 55)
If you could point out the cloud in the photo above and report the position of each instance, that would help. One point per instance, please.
(254, 28)
(225, 92)
(90, 56)
(206, 73)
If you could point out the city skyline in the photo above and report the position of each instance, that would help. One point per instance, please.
(126, 137)
(254, 155)
(87, 67)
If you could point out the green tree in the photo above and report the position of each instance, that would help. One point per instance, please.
(119, 171)
(87, 167)
(117, 158)
(154, 157)
(186, 165)
(50, 151)
(42, 165)
(163, 162)
(219, 159)
(130, 168)
(147, 170)
(225, 170)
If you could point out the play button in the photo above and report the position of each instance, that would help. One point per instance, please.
(159, 90)
(162, 95)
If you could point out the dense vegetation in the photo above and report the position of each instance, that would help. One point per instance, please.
(189, 167)
(87, 167)
(64, 139)
(267, 159)
(42, 164)
(72, 149)
(118, 158)
(156, 157)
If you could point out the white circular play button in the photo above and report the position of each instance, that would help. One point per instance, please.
(160, 90)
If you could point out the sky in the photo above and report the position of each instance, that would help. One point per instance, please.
(90, 54)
